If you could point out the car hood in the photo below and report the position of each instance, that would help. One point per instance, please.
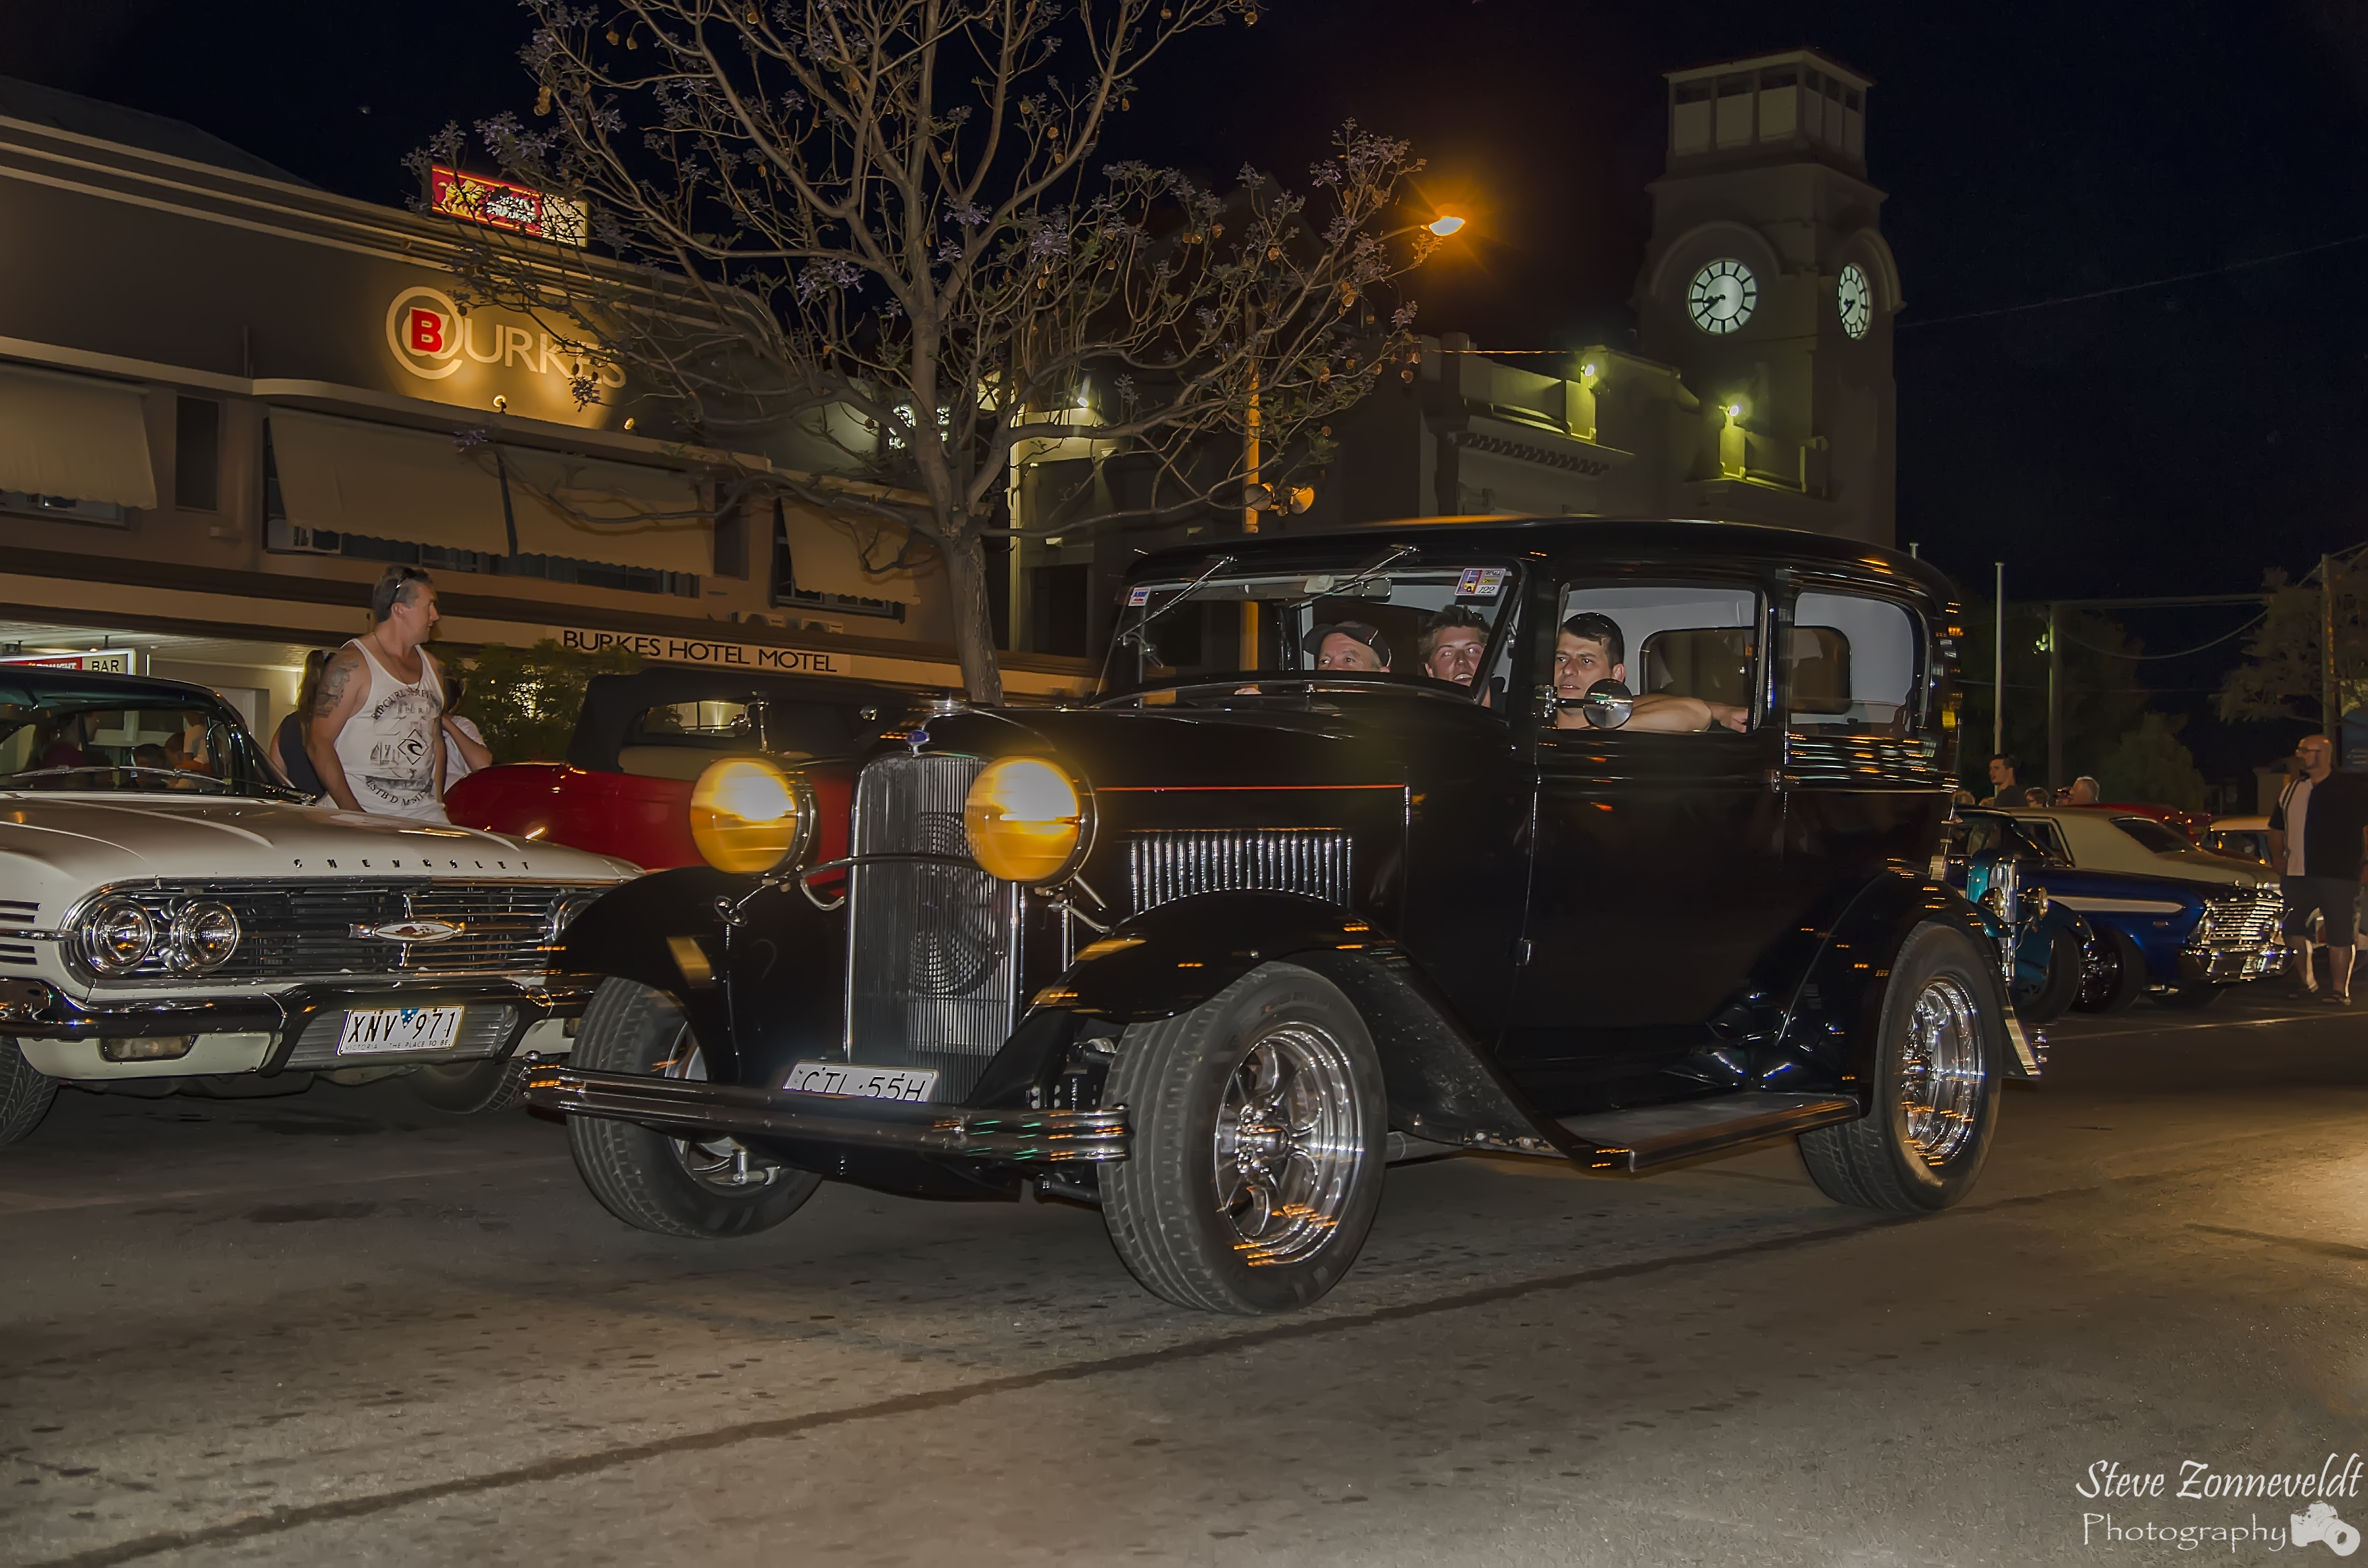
(83, 838)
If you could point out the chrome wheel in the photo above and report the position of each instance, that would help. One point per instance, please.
(1289, 1135)
(719, 1164)
(1940, 1075)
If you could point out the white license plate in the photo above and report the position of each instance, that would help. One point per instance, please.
(861, 1082)
(370, 1030)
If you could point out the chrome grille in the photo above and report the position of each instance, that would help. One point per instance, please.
(291, 929)
(2246, 920)
(933, 963)
(17, 916)
(1167, 864)
(483, 1028)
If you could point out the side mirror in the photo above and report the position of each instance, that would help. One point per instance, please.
(1608, 704)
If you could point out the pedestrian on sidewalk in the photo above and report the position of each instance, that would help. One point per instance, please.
(375, 727)
(2318, 842)
(464, 743)
(2008, 794)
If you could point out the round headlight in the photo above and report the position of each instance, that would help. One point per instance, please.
(203, 937)
(116, 935)
(563, 913)
(1026, 819)
(746, 814)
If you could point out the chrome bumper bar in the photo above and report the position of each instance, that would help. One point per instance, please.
(34, 1009)
(680, 1105)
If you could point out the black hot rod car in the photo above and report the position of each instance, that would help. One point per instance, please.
(1612, 842)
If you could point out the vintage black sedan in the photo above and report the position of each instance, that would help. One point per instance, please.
(1610, 842)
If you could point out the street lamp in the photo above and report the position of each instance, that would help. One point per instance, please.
(1445, 225)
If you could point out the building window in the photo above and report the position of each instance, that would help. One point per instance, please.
(197, 454)
(787, 595)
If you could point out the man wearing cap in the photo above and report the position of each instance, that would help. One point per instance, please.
(1348, 647)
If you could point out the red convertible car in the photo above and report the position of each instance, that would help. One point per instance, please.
(656, 747)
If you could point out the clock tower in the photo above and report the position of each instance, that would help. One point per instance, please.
(1769, 286)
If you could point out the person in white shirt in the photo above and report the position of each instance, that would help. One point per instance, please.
(375, 729)
(464, 745)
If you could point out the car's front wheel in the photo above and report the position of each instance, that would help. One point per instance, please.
(675, 1187)
(1259, 1135)
(1939, 1060)
(2116, 975)
(2049, 1000)
(26, 1093)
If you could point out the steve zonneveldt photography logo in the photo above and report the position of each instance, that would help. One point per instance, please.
(2317, 1523)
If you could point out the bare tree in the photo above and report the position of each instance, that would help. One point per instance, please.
(884, 221)
(2285, 672)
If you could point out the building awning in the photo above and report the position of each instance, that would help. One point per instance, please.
(828, 552)
(74, 437)
(418, 486)
(616, 514)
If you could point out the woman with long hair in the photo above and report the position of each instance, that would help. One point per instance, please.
(287, 749)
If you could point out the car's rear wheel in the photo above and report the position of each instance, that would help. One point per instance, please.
(1259, 1133)
(674, 1187)
(2065, 970)
(1939, 1060)
(2116, 973)
(26, 1094)
(467, 1088)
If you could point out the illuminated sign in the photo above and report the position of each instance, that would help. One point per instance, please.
(116, 661)
(498, 204)
(432, 339)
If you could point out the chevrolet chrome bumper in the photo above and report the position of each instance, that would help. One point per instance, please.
(679, 1105)
(33, 1009)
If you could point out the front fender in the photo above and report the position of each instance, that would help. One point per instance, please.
(1442, 1085)
(759, 993)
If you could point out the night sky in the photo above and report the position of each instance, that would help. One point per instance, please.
(2175, 439)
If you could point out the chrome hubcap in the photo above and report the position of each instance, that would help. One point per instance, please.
(1288, 1137)
(723, 1165)
(1941, 1071)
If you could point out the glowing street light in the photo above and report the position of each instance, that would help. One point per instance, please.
(1446, 225)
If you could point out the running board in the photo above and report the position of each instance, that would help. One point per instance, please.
(1662, 1134)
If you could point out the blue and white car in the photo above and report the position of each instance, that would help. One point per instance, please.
(2165, 917)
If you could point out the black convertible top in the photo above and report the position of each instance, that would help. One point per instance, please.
(822, 717)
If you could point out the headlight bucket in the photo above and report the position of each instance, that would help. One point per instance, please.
(1027, 820)
(748, 814)
(202, 938)
(116, 936)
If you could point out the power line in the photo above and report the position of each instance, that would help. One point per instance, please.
(2135, 288)
(2183, 652)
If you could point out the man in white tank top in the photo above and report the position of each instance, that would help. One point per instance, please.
(374, 730)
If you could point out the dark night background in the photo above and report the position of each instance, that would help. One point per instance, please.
(2170, 440)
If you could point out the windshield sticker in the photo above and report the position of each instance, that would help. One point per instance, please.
(1137, 597)
(1480, 582)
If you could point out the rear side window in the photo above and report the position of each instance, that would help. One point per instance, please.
(1851, 665)
(1679, 641)
(2154, 835)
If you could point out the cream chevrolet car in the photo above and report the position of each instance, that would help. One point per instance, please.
(170, 916)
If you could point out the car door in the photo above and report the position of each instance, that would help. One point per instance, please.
(1657, 862)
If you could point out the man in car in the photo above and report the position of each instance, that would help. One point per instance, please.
(2318, 836)
(1349, 646)
(1453, 640)
(1589, 648)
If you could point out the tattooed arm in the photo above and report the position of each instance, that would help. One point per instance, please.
(338, 696)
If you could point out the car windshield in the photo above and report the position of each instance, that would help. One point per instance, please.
(166, 740)
(1381, 619)
(2153, 835)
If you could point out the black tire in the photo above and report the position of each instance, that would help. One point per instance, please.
(647, 1179)
(2065, 969)
(26, 1094)
(2189, 995)
(1921, 1147)
(1233, 1229)
(468, 1088)
(2119, 978)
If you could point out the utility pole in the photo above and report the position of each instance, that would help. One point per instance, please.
(2055, 697)
(2327, 701)
(1997, 669)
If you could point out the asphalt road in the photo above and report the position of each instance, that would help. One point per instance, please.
(342, 1328)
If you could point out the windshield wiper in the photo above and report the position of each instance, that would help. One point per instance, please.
(1136, 634)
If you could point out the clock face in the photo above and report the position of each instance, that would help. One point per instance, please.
(1857, 300)
(1722, 296)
